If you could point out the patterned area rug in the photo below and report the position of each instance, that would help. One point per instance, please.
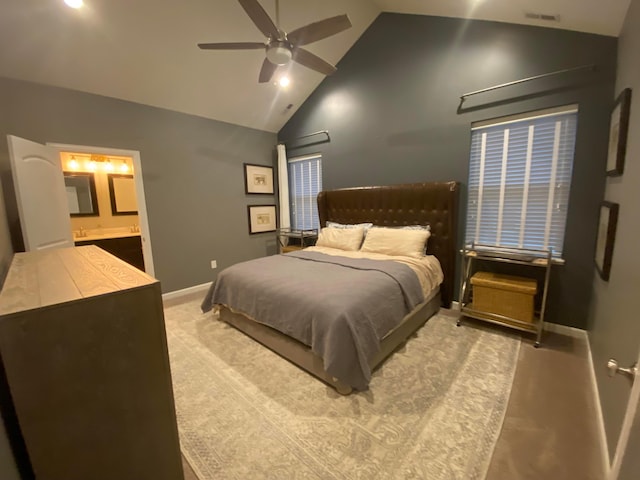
(434, 409)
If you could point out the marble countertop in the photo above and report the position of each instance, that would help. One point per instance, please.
(104, 234)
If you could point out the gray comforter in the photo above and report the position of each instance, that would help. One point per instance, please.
(338, 306)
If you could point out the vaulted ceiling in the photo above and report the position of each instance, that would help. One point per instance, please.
(145, 51)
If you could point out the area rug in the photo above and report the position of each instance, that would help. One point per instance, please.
(434, 409)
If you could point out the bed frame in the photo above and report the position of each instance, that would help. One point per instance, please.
(434, 203)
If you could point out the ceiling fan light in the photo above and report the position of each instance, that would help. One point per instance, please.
(284, 81)
(74, 3)
(279, 53)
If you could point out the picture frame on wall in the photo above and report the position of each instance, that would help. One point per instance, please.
(258, 179)
(122, 194)
(618, 131)
(262, 218)
(607, 225)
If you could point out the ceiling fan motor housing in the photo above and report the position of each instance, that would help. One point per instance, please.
(280, 46)
(279, 53)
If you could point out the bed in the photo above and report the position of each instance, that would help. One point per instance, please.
(346, 353)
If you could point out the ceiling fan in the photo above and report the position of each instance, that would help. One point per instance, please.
(282, 47)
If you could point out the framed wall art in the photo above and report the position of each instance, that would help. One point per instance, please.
(606, 238)
(618, 130)
(262, 218)
(122, 194)
(258, 179)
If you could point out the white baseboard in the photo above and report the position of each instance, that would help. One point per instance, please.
(177, 294)
(582, 334)
(565, 330)
(579, 333)
(549, 327)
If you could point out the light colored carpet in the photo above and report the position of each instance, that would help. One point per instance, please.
(434, 409)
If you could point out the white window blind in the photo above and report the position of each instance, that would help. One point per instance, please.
(305, 182)
(519, 180)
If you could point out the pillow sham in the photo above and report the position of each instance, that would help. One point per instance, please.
(415, 227)
(396, 241)
(348, 239)
(366, 226)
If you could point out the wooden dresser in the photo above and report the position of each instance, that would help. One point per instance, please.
(84, 349)
(128, 248)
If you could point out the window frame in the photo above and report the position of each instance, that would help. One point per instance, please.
(560, 165)
(313, 202)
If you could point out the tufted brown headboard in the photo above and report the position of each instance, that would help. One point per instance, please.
(434, 203)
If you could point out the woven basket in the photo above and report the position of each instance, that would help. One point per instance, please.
(505, 295)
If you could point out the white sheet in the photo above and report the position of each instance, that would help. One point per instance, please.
(427, 268)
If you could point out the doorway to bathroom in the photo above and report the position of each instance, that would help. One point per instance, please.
(107, 206)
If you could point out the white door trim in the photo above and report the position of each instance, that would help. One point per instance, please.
(142, 204)
(627, 423)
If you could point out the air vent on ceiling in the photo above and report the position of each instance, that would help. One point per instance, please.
(542, 16)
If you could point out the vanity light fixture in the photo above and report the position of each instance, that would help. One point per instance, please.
(73, 163)
(98, 163)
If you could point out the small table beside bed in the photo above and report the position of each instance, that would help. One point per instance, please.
(340, 308)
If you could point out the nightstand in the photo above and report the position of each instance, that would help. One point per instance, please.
(497, 296)
(290, 239)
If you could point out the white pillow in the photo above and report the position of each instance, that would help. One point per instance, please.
(342, 238)
(366, 226)
(395, 241)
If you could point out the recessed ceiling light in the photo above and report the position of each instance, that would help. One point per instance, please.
(284, 81)
(74, 3)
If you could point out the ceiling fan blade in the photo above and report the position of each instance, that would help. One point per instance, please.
(309, 60)
(260, 18)
(232, 46)
(319, 30)
(267, 71)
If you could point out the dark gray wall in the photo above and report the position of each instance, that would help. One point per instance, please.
(392, 113)
(614, 324)
(192, 171)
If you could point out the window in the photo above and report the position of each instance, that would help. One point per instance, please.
(519, 179)
(305, 182)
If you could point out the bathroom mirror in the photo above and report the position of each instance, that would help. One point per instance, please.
(81, 194)
(122, 191)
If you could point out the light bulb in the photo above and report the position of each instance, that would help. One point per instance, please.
(108, 166)
(124, 168)
(284, 81)
(91, 165)
(73, 164)
(74, 3)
